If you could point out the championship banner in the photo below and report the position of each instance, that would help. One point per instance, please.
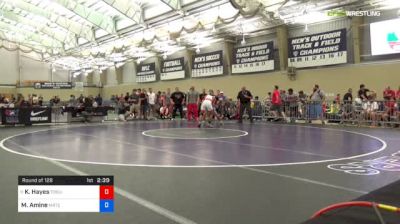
(53, 85)
(318, 49)
(172, 69)
(26, 115)
(208, 64)
(146, 72)
(253, 58)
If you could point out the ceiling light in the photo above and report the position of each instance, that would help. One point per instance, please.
(197, 50)
(243, 42)
(165, 55)
(306, 28)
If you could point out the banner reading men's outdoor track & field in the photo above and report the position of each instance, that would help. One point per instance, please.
(253, 58)
(208, 64)
(146, 72)
(318, 49)
(172, 69)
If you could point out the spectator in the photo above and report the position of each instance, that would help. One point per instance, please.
(99, 100)
(317, 97)
(276, 101)
(144, 104)
(363, 93)
(389, 94)
(40, 100)
(244, 97)
(134, 100)
(370, 109)
(192, 101)
(292, 101)
(347, 105)
(177, 101)
(152, 103)
(398, 94)
(121, 109)
(390, 109)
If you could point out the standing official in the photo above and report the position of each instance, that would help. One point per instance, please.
(244, 97)
(177, 100)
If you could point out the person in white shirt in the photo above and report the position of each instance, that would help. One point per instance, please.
(152, 102)
(370, 109)
(208, 111)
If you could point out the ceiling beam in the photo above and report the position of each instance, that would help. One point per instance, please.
(92, 16)
(173, 4)
(81, 30)
(31, 36)
(64, 37)
(129, 9)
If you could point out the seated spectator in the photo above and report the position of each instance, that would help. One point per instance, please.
(370, 109)
(390, 110)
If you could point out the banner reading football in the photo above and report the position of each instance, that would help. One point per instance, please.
(172, 69)
(209, 64)
(318, 49)
(146, 72)
(254, 58)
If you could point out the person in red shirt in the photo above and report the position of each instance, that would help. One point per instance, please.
(390, 109)
(276, 102)
(398, 94)
(388, 93)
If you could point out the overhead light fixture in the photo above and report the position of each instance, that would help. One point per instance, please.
(165, 55)
(306, 30)
(54, 68)
(243, 42)
(197, 50)
(213, 29)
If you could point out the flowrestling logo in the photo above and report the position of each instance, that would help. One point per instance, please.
(370, 167)
(343, 13)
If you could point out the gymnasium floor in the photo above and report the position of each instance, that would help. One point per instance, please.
(173, 172)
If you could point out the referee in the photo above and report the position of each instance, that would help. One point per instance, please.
(244, 97)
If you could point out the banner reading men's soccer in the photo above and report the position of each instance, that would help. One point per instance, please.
(208, 64)
(146, 72)
(172, 69)
(318, 49)
(253, 58)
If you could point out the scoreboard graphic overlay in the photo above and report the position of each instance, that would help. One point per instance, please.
(66, 194)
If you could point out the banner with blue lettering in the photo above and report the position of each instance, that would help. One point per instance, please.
(146, 72)
(208, 64)
(253, 58)
(172, 69)
(319, 49)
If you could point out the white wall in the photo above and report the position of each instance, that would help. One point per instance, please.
(15, 67)
(60, 75)
(8, 67)
(34, 70)
(129, 72)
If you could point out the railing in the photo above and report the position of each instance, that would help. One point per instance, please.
(369, 113)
